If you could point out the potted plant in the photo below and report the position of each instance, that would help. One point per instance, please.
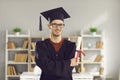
(17, 30)
(93, 30)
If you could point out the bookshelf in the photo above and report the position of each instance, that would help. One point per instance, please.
(17, 54)
(93, 62)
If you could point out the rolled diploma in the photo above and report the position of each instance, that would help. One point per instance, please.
(78, 47)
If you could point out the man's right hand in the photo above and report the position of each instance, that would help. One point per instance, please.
(73, 62)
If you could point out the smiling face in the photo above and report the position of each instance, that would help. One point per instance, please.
(56, 27)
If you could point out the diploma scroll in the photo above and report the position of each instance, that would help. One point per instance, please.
(78, 51)
(79, 40)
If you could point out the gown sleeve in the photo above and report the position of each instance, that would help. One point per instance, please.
(53, 67)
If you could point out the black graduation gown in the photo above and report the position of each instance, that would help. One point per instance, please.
(55, 65)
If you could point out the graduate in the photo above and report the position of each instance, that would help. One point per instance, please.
(55, 55)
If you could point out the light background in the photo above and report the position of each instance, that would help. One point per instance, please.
(105, 14)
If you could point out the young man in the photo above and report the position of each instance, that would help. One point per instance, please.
(55, 55)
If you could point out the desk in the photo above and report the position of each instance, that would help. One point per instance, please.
(29, 76)
(76, 76)
(82, 76)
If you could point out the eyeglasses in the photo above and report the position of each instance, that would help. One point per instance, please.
(55, 25)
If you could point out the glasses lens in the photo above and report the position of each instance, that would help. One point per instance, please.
(57, 25)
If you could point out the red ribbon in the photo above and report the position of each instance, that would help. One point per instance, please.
(79, 52)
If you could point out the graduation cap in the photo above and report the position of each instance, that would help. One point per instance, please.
(53, 14)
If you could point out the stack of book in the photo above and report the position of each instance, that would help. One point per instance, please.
(11, 70)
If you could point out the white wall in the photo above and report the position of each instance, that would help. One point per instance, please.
(84, 13)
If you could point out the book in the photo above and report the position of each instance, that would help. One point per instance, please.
(85, 69)
(98, 58)
(14, 70)
(25, 44)
(32, 58)
(99, 44)
(8, 70)
(33, 44)
(20, 57)
(31, 68)
(11, 45)
(11, 71)
(78, 68)
(101, 70)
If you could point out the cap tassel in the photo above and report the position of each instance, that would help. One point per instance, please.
(40, 24)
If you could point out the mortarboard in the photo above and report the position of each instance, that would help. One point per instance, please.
(50, 15)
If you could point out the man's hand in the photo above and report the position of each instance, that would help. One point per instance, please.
(73, 62)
